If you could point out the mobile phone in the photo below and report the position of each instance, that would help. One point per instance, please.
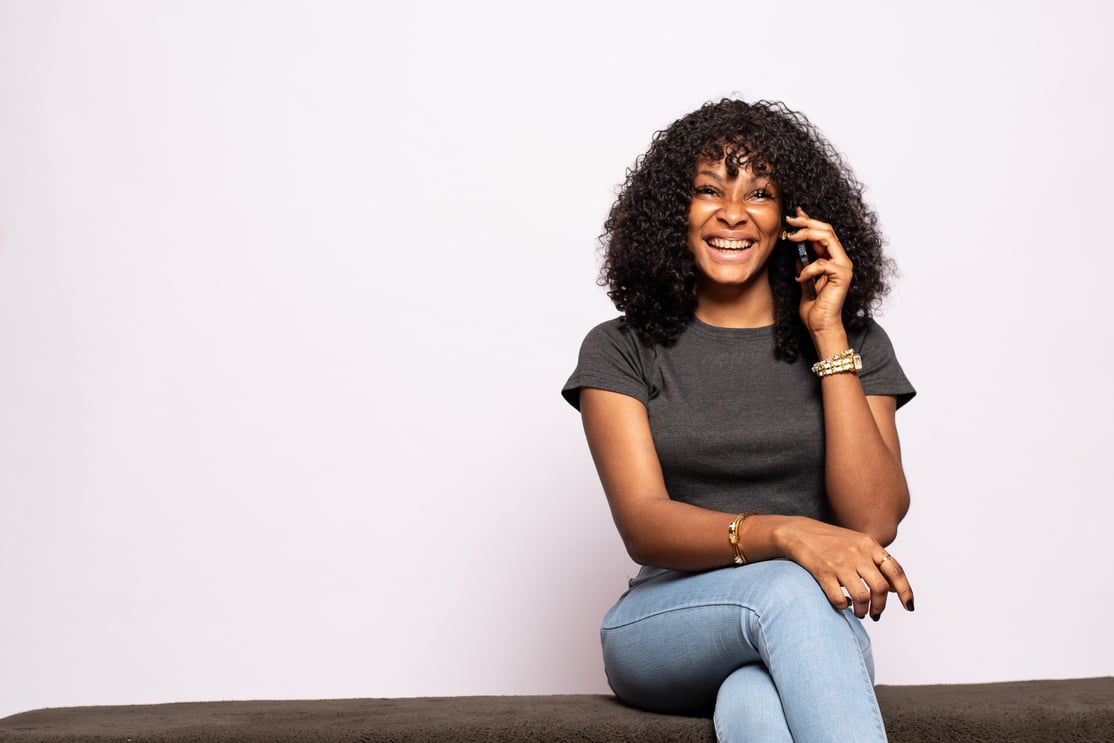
(805, 256)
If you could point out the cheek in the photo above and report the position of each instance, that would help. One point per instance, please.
(694, 217)
(701, 211)
(696, 221)
(767, 220)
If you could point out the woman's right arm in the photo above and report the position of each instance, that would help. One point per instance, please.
(669, 534)
(656, 530)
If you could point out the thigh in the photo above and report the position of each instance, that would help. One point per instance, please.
(673, 639)
(671, 642)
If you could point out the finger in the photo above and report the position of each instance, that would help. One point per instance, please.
(833, 589)
(827, 269)
(800, 215)
(857, 590)
(819, 233)
(801, 224)
(879, 591)
(899, 583)
(823, 240)
(817, 276)
(804, 220)
(818, 268)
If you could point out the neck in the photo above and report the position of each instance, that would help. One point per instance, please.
(736, 307)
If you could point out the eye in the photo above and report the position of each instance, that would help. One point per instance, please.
(706, 191)
(763, 194)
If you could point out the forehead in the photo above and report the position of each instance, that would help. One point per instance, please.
(730, 168)
(736, 150)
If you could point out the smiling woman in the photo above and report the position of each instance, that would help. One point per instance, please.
(757, 491)
(734, 222)
(654, 283)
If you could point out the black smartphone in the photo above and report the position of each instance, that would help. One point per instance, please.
(805, 256)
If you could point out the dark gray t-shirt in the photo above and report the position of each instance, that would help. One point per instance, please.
(735, 428)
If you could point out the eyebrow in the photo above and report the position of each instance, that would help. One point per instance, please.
(752, 177)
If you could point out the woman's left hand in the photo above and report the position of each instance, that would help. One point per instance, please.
(831, 270)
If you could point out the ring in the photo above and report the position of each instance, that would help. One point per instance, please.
(886, 556)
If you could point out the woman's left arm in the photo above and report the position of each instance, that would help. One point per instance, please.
(865, 481)
(863, 473)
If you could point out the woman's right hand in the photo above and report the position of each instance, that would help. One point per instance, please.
(844, 562)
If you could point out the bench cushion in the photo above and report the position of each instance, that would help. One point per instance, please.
(1019, 712)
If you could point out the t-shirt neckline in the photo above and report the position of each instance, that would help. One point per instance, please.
(715, 332)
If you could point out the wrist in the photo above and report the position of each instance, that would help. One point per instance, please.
(762, 536)
(830, 342)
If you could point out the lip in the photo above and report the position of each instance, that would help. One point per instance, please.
(734, 254)
(731, 236)
(723, 243)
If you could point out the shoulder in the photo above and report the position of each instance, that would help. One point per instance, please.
(614, 333)
(882, 373)
(870, 335)
(612, 357)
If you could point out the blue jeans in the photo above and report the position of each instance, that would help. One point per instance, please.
(759, 646)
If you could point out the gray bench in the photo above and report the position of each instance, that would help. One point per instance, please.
(1018, 712)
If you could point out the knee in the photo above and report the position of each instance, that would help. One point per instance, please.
(789, 582)
(786, 586)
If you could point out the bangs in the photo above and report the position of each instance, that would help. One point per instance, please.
(737, 154)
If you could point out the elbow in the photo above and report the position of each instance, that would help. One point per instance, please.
(638, 549)
(639, 536)
(884, 535)
(884, 528)
(643, 544)
(881, 524)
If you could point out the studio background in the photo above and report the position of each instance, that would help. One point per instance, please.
(288, 291)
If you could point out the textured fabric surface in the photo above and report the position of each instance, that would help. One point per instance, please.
(1066, 711)
(1075, 710)
(734, 428)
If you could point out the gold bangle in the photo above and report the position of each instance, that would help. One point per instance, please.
(733, 536)
(842, 362)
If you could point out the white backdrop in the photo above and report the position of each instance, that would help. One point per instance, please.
(288, 291)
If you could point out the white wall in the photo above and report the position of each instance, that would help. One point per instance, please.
(288, 291)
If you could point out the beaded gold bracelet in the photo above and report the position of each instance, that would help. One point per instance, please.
(733, 536)
(842, 362)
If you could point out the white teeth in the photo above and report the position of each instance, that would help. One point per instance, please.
(721, 244)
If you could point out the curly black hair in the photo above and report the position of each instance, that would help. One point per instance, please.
(650, 273)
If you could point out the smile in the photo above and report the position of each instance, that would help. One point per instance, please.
(721, 244)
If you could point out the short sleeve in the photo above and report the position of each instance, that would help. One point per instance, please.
(612, 359)
(881, 373)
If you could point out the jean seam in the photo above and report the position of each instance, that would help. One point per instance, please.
(764, 653)
(663, 612)
(878, 721)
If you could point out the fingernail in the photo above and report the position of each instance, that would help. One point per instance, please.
(849, 602)
(909, 604)
(876, 617)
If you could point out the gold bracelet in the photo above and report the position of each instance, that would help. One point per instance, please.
(733, 536)
(842, 362)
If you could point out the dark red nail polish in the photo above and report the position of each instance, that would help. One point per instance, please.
(909, 604)
(876, 617)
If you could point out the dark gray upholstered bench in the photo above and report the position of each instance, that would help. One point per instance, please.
(1068, 710)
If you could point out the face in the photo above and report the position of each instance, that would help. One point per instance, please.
(734, 224)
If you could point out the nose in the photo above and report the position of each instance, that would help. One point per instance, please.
(732, 211)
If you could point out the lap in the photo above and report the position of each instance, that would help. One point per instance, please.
(763, 587)
(673, 638)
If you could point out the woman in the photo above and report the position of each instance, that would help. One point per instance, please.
(757, 488)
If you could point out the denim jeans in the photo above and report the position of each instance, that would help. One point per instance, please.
(759, 646)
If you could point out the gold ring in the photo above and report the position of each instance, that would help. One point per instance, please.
(886, 556)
